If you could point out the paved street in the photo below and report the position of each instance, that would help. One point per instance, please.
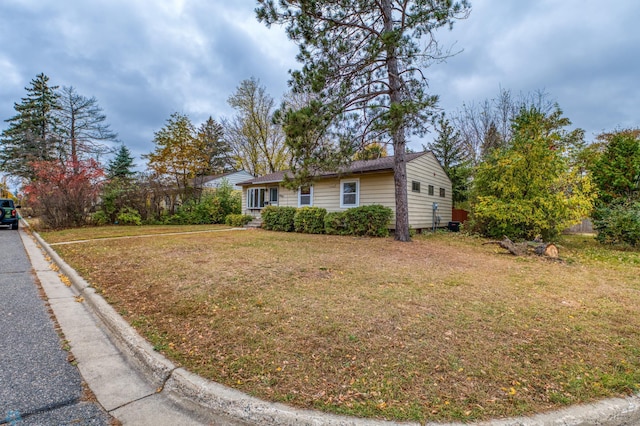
(38, 385)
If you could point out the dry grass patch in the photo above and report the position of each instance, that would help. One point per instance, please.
(99, 232)
(442, 328)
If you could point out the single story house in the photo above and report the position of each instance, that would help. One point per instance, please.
(214, 181)
(364, 182)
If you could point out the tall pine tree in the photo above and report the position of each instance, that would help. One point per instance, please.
(364, 62)
(451, 152)
(32, 134)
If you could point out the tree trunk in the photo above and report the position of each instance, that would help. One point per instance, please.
(521, 249)
(547, 249)
(397, 130)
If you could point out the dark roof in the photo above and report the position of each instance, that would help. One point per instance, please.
(359, 166)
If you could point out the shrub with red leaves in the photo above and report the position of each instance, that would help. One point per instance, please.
(63, 195)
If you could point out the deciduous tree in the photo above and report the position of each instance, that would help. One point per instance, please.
(82, 128)
(178, 154)
(63, 193)
(371, 151)
(257, 142)
(529, 189)
(364, 61)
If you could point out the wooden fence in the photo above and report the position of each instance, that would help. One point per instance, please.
(459, 215)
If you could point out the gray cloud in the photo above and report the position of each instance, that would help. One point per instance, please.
(144, 60)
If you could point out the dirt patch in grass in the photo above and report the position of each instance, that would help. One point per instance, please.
(442, 328)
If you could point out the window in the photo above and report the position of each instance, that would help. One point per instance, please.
(415, 186)
(273, 196)
(349, 193)
(442, 192)
(305, 196)
(255, 198)
(430, 189)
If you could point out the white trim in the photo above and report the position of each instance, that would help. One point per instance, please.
(310, 197)
(342, 194)
(277, 200)
(256, 206)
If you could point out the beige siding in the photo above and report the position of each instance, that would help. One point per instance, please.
(427, 170)
(286, 197)
(378, 188)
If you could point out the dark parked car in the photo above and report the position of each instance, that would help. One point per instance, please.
(8, 213)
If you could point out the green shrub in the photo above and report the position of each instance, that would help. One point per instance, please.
(100, 218)
(334, 223)
(618, 223)
(212, 207)
(276, 218)
(129, 216)
(237, 220)
(370, 221)
(309, 220)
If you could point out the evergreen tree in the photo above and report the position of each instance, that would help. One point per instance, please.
(363, 60)
(451, 152)
(216, 149)
(616, 171)
(33, 133)
(121, 166)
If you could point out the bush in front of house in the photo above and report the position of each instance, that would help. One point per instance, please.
(275, 218)
(237, 220)
(369, 221)
(309, 220)
(334, 223)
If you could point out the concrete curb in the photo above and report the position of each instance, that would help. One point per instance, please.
(208, 399)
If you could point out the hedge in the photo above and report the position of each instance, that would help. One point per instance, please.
(237, 220)
(370, 221)
(276, 218)
(309, 220)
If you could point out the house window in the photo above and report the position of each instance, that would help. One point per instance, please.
(430, 189)
(442, 192)
(273, 196)
(305, 196)
(349, 193)
(256, 198)
(415, 186)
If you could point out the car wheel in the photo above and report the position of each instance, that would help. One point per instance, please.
(14, 226)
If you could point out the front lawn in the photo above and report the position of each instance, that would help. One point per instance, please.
(440, 329)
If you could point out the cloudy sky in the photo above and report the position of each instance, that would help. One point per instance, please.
(145, 59)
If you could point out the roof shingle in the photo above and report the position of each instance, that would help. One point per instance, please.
(359, 166)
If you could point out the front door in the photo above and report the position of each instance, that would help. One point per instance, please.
(273, 196)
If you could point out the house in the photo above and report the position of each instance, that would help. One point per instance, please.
(213, 182)
(362, 183)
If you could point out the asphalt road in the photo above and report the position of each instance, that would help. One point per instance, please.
(38, 385)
